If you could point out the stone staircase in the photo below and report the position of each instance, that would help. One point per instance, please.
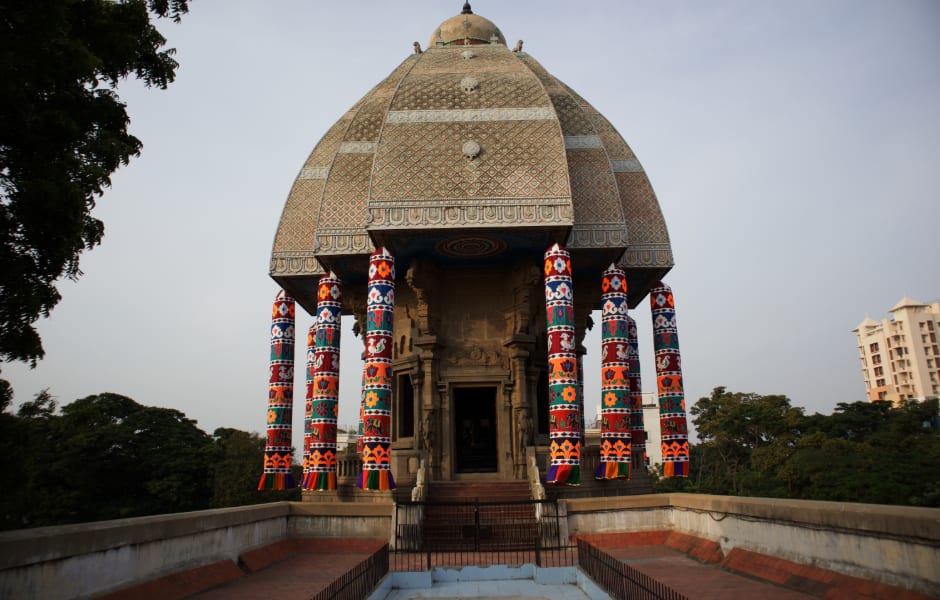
(482, 491)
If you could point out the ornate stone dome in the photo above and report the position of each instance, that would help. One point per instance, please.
(465, 29)
(470, 153)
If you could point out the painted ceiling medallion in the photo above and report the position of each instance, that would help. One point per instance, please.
(471, 246)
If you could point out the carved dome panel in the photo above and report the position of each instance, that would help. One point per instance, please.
(544, 164)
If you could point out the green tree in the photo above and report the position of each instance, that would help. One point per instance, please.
(106, 457)
(737, 430)
(25, 442)
(236, 467)
(63, 132)
(869, 452)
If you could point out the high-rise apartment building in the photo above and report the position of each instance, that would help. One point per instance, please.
(900, 355)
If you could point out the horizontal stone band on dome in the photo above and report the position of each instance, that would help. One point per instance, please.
(628, 165)
(313, 173)
(356, 148)
(538, 113)
(583, 142)
(597, 235)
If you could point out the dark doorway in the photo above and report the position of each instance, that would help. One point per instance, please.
(475, 429)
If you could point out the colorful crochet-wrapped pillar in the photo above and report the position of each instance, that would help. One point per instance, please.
(634, 382)
(277, 451)
(308, 399)
(672, 417)
(377, 375)
(564, 407)
(617, 356)
(323, 391)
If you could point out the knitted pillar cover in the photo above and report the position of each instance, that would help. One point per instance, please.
(617, 356)
(564, 407)
(377, 375)
(277, 451)
(634, 382)
(672, 417)
(323, 392)
(308, 400)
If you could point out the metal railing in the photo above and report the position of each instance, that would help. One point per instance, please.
(621, 580)
(359, 581)
(452, 534)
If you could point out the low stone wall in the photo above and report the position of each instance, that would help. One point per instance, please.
(895, 545)
(92, 559)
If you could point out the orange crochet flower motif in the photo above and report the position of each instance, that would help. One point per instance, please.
(610, 399)
(570, 394)
(384, 269)
(371, 399)
(272, 416)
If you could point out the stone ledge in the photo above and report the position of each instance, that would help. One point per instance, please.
(42, 544)
(340, 509)
(893, 521)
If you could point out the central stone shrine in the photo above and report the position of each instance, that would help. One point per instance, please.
(472, 211)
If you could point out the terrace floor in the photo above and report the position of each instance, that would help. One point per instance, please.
(303, 574)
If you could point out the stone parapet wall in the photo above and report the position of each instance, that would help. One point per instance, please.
(91, 559)
(895, 545)
(892, 545)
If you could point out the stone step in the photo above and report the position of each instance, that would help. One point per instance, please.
(485, 491)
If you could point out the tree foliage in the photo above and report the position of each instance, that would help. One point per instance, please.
(753, 445)
(63, 132)
(107, 457)
(235, 470)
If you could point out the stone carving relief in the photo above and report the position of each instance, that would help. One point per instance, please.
(525, 296)
(474, 357)
(422, 277)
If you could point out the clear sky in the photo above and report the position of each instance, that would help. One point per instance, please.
(794, 147)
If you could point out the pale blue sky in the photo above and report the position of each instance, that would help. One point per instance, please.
(794, 147)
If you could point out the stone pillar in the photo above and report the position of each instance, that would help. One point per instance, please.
(564, 421)
(277, 451)
(377, 375)
(672, 418)
(519, 345)
(523, 429)
(616, 398)
(323, 395)
(635, 385)
(308, 403)
(447, 443)
(423, 277)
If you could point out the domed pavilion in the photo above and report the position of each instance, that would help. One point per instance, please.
(471, 211)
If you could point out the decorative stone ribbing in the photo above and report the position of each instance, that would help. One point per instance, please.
(323, 393)
(617, 356)
(377, 374)
(672, 417)
(564, 407)
(277, 451)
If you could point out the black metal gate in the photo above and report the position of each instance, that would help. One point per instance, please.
(429, 534)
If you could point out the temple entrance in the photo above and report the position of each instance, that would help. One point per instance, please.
(475, 438)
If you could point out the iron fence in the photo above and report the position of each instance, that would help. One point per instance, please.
(621, 580)
(359, 581)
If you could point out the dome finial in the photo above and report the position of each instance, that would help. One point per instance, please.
(466, 9)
